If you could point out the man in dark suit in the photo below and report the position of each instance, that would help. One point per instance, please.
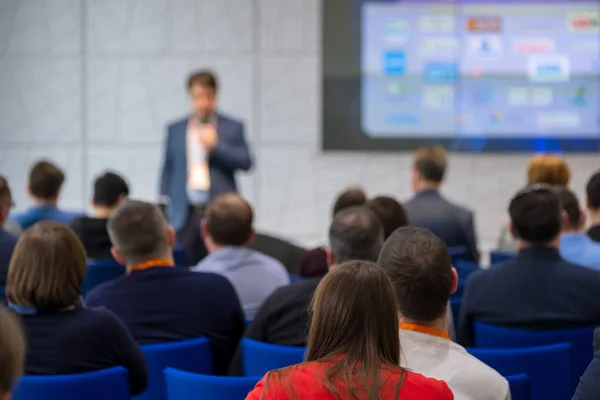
(355, 234)
(202, 153)
(593, 205)
(430, 210)
(7, 241)
(537, 289)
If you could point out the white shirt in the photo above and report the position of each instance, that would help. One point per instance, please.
(439, 358)
(198, 174)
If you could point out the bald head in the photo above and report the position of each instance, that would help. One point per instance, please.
(228, 220)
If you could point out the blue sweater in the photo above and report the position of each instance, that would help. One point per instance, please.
(35, 214)
(166, 304)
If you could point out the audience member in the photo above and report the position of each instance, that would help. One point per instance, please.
(109, 191)
(354, 234)
(226, 230)
(538, 289)
(314, 262)
(589, 384)
(7, 241)
(63, 336)
(575, 245)
(12, 352)
(390, 213)
(593, 206)
(44, 184)
(353, 345)
(419, 266)
(429, 209)
(161, 303)
(550, 169)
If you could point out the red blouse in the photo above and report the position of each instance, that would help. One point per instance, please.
(308, 382)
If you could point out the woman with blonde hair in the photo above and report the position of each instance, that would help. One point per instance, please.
(550, 169)
(63, 337)
(353, 347)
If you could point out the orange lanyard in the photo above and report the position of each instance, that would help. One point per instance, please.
(155, 262)
(424, 329)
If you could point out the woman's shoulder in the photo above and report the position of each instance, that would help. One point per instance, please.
(98, 320)
(426, 388)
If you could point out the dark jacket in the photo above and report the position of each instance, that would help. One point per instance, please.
(536, 290)
(454, 224)
(282, 319)
(94, 236)
(167, 304)
(7, 246)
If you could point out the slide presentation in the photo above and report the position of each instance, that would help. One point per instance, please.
(497, 73)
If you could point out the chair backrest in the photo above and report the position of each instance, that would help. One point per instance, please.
(455, 307)
(581, 341)
(188, 355)
(189, 386)
(180, 256)
(112, 383)
(519, 387)
(497, 257)
(460, 253)
(548, 367)
(100, 271)
(460, 290)
(465, 268)
(259, 358)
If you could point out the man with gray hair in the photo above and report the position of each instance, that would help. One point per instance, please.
(354, 234)
(161, 303)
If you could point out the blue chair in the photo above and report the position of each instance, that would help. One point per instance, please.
(460, 253)
(295, 278)
(498, 257)
(581, 341)
(548, 367)
(465, 268)
(112, 383)
(188, 386)
(519, 387)
(259, 358)
(180, 256)
(100, 271)
(188, 355)
(455, 307)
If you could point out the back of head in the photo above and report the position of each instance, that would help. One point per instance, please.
(5, 200)
(229, 220)
(419, 266)
(351, 197)
(109, 190)
(430, 163)
(47, 268)
(139, 231)
(548, 168)
(354, 314)
(390, 212)
(45, 180)
(535, 214)
(593, 192)
(12, 351)
(570, 206)
(355, 234)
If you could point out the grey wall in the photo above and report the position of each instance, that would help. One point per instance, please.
(90, 84)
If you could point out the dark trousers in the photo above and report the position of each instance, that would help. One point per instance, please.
(189, 235)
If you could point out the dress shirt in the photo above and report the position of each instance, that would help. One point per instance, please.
(198, 185)
(579, 248)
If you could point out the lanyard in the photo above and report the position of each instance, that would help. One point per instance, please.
(424, 329)
(155, 262)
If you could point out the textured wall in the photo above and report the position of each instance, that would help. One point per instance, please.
(91, 83)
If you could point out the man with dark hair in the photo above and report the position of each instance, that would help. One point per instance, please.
(202, 154)
(354, 234)
(537, 289)
(593, 206)
(575, 245)
(390, 212)
(419, 266)
(227, 229)
(314, 262)
(44, 184)
(158, 302)
(109, 191)
(7, 241)
(430, 210)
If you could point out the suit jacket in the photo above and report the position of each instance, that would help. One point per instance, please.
(452, 223)
(536, 290)
(7, 246)
(230, 154)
